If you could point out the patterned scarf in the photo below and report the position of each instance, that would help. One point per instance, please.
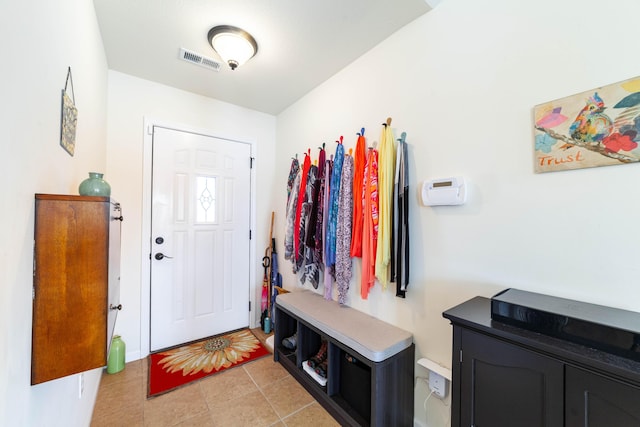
(311, 270)
(330, 245)
(343, 232)
(329, 271)
(290, 219)
(293, 173)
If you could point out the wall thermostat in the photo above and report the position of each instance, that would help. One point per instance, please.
(445, 191)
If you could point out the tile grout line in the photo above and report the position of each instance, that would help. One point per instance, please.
(265, 396)
(296, 411)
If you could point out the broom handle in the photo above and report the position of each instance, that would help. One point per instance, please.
(271, 228)
(267, 253)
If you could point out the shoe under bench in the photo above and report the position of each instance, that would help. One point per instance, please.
(370, 369)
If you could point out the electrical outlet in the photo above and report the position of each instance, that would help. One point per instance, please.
(80, 385)
(437, 384)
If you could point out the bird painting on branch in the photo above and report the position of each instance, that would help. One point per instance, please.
(599, 135)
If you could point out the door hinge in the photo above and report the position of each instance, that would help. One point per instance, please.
(33, 283)
(251, 159)
(249, 305)
(249, 234)
(460, 355)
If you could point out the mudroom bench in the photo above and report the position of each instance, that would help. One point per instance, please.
(370, 363)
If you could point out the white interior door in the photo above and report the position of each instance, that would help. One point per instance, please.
(200, 224)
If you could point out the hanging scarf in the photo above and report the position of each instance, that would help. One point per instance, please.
(312, 224)
(329, 271)
(319, 214)
(290, 219)
(296, 227)
(385, 189)
(293, 172)
(330, 246)
(343, 231)
(402, 221)
(394, 217)
(370, 223)
(358, 204)
(311, 270)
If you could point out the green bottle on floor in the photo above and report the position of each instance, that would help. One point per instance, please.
(115, 362)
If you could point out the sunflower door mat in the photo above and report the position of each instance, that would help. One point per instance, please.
(173, 368)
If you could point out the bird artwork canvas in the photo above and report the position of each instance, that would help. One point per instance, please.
(599, 127)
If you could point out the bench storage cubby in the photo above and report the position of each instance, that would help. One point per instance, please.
(370, 363)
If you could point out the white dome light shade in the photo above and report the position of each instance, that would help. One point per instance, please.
(234, 45)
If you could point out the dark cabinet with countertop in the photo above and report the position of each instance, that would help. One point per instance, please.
(506, 375)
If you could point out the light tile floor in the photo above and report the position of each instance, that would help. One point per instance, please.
(258, 393)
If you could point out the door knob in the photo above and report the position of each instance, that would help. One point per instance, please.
(160, 256)
(115, 307)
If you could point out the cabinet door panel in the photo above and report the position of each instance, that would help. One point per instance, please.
(596, 401)
(76, 277)
(503, 385)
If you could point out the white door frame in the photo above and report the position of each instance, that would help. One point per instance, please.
(145, 271)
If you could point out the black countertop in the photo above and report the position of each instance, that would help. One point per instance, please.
(475, 314)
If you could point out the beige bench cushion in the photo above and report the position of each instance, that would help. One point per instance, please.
(372, 338)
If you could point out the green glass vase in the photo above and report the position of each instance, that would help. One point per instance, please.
(115, 362)
(95, 185)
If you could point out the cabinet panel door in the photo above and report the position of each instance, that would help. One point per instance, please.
(503, 385)
(596, 401)
(70, 286)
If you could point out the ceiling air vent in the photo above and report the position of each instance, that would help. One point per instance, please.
(203, 61)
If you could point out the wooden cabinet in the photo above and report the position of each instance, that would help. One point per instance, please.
(76, 283)
(370, 369)
(506, 376)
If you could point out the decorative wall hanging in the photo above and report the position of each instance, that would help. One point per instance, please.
(69, 117)
(599, 127)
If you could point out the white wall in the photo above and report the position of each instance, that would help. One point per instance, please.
(462, 81)
(40, 40)
(130, 101)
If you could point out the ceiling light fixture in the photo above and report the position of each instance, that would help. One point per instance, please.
(234, 45)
